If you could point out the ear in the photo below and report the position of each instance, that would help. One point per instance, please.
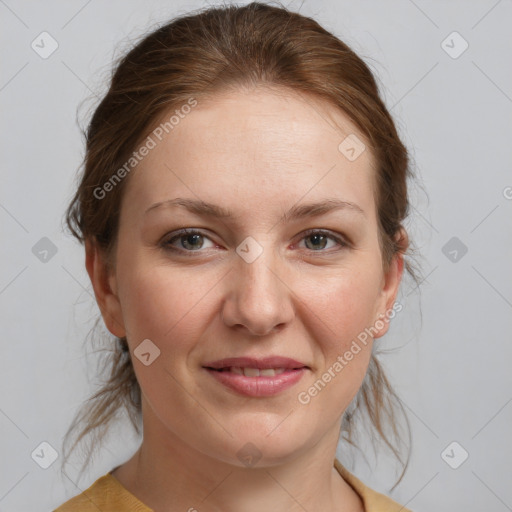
(105, 288)
(390, 286)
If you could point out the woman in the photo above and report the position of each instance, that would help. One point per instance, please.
(241, 208)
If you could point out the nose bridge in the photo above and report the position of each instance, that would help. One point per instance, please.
(259, 297)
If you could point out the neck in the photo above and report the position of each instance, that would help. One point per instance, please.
(165, 470)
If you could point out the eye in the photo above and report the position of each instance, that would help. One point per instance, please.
(319, 239)
(192, 240)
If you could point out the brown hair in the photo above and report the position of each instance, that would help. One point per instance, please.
(193, 57)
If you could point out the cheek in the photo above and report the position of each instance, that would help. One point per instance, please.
(166, 304)
(344, 304)
(342, 308)
(346, 310)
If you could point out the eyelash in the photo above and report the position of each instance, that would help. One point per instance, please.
(166, 244)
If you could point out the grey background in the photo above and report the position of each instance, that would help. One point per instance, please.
(454, 114)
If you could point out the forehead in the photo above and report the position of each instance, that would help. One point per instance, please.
(245, 150)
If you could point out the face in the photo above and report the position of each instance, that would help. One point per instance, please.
(260, 282)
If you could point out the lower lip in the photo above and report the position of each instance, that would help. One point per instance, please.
(258, 386)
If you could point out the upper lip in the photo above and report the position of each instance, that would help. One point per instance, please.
(251, 362)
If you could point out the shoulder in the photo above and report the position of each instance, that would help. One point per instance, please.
(105, 494)
(91, 499)
(373, 501)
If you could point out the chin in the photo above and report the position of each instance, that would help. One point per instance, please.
(264, 446)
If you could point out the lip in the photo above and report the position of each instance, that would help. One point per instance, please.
(251, 362)
(260, 386)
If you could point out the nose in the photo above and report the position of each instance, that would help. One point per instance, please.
(259, 299)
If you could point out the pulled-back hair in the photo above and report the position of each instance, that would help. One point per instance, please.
(194, 56)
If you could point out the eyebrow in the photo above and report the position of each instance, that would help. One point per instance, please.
(204, 208)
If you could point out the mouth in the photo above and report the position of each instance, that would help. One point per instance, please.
(275, 363)
(253, 372)
(257, 377)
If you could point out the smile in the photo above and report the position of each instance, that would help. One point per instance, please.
(257, 377)
(256, 382)
(254, 372)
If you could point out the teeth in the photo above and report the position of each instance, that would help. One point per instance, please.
(255, 372)
(251, 372)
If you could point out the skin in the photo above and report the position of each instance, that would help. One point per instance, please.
(257, 153)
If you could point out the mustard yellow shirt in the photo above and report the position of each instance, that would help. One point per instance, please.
(107, 494)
